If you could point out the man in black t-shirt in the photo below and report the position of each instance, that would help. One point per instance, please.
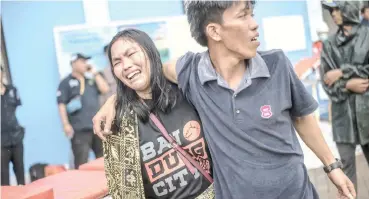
(78, 99)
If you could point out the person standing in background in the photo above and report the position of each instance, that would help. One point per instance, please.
(12, 133)
(345, 70)
(78, 99)
(109, 79)
(365, 15)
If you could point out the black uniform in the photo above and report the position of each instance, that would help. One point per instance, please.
(11, 136)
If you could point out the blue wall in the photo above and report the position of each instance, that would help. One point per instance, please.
(285, 8)
(28, 30)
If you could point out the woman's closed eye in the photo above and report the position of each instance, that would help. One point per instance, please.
(131, 53)
(116, 63)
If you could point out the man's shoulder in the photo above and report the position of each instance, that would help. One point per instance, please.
(192, 56)
(272, 54)
(364, 30)
(66, 81)
(188, 61)
(275, 59)
(10, 87)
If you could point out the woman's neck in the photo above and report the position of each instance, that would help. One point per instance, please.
(229, 66)
(144, 94)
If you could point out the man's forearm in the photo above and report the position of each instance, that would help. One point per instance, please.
(355, 70)
(310, 133)
(169, 70)
(102, 85)
(336, 92)
(63, 114)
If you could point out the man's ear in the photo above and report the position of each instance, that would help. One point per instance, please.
(213, 31)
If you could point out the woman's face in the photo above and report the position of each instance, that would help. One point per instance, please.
(131, 66)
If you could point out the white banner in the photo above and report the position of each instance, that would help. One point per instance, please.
(171, 36)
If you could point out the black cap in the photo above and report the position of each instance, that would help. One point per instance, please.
(106, 48)
(78, 56)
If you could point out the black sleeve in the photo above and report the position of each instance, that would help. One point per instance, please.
(17, 97)
(337, 92)
(63, 93)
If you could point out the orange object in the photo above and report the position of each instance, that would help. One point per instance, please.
(304, 65)
(23, 192)
(97, 164)
(317, 48)
(74, 184)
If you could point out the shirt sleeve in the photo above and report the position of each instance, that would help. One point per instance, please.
(352, 70)
(63, 93)
(17, 97)
(184, 68)
(303, 102)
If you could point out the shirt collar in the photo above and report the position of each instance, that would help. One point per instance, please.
(257, 68)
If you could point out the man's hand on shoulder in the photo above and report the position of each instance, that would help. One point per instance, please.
(103, 119)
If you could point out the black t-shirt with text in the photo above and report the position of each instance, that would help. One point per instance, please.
(164, 173)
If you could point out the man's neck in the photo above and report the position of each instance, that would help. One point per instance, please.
(77, 75)
(228, 65)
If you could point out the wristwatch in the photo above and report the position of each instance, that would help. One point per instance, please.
(334, 165)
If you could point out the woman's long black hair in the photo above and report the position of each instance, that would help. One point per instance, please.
(164, 94)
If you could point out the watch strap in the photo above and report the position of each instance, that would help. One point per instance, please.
(335, 165)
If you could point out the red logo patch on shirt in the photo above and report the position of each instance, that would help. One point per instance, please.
(266, 111)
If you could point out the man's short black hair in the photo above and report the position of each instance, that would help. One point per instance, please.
(364, 8)
(106, 48)
(200, 13)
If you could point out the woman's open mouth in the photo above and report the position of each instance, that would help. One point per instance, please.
(133, 74)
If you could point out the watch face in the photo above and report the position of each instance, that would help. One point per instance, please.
(326, 169)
